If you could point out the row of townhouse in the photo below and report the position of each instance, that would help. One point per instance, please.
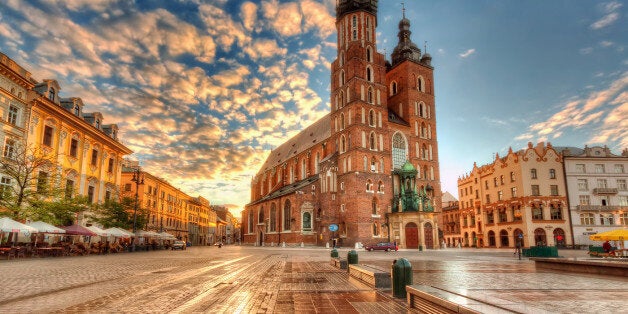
(87, 158)
(169, 209)
(541, 195)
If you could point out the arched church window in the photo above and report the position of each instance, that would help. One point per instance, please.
(393, 88)
(369, 95)
(372, 141)
(398, 150)
(369, 54)
(369, 74)
(421, 84)
(372, 117)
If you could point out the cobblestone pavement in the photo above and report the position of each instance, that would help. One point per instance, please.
(236, 279)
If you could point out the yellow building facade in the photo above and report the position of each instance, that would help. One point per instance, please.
(85, 154)
(168, 208)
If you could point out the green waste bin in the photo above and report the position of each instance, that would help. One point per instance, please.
(401, 276)
(352, 257)
(334, 253)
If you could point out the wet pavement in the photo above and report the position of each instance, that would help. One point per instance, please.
(235, 279)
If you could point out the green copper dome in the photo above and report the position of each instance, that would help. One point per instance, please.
(407, 167)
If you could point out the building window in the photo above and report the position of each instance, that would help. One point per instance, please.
(48, 136)
(587, 219)
(13, 114)
(375, 230)
(537, 212)
(500, 195)
(516, 214)
(42, 182)
(369, 74)
(77, 111)
(374, 206)
(553, 190)
(69, 188)
(9, 149)
(513, 192)
(372, 118)
(421, 84)
(273, 218)
(580, 168)
(599, 168)
(127, 187)
(512, 176)
(619, 168)
(556, 212)
(583, 185)
(287, 216)
(372, 141)
(533, 173)
(623, 219)
(535, 190)
(495, 182)
(621, 185)
(393, 88)
(502, 216)
(94, 157)
(501, 180)
(307, 221)
(369, 95)
(74, 147)
(110, 166)
(552, 174)
(5, 187)
(107, 195)
(602, 183)
(490, 218)
(488, 199)
(51, 94)
(606, 219)
(584, 200)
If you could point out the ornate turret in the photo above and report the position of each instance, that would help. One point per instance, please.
(406, 49)
(347, 6)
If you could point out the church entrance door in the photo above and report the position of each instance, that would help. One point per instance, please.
(429, 236)
(412, 236)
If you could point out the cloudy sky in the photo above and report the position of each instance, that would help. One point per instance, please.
(203, 90)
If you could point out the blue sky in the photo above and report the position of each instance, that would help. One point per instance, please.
(202, 90)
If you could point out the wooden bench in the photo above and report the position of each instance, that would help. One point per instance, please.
(338, 263)
(372, 276)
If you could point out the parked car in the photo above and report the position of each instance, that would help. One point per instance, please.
(178, 245)
(382, 246)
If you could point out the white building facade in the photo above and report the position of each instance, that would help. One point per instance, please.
(597, 191)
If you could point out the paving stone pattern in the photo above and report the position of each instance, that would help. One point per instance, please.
(237, 279)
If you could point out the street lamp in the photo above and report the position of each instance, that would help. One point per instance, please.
(139, 180)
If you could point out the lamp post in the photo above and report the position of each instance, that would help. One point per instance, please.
(139, 180)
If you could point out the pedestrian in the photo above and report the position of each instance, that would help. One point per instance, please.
(606, 246)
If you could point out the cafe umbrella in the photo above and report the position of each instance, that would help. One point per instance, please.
(613, 235)
(11, 226)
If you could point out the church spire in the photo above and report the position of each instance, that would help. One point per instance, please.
(406, 49)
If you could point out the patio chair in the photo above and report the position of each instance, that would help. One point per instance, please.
(12, 253)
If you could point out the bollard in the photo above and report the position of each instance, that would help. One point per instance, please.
(334, 253)
(352, 257)
(401, 276)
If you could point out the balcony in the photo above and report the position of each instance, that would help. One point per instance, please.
(599, 207)
(605, 191)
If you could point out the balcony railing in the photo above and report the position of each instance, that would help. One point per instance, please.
(600, 207)
(605, 191)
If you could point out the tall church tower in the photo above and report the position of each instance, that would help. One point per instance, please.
(358, 109)
(416, 203)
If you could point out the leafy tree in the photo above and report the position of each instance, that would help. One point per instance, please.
(62, 211)
(119, 214)
(32, 173)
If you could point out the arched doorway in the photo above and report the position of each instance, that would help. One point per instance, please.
(540, 238)
(412, 236)
(559, 237)
(491, 239)
(261, 238)
(429, 236)
(466, 239)
(503, 238)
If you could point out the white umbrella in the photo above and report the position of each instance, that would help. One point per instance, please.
(44, 227)
(166, 236)
(119, 233)
(9, 225)
(98, 231)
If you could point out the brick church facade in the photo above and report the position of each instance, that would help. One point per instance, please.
(368, 171)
